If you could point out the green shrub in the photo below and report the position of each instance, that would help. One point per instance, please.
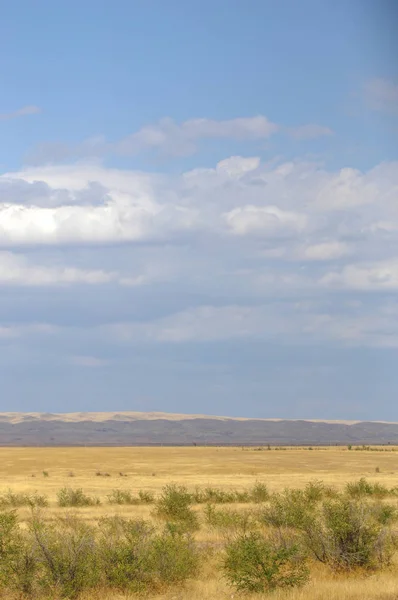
(146, 497)
(14, 500)
(134, 557)
(174, 505)
(67, 556)
(253, 563)
(121, 497)
(172, 558)
(123, 546)
(213, 495)
(126, 497)
(291, 508)
(242, 496)
(259, 493)
(314, 491)
(363, 488)
(18, 564)
(228, 520)
(75, 497)
(348, 534)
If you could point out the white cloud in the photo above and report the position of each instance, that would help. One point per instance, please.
(382, 95)
(375, 276)
(16, 270)
(21, 112)
(325, 251)
(228, 238)
(347, 188)
(237, 166)
(267, 220)
(166, 136)
(299, 322)
(180, 138)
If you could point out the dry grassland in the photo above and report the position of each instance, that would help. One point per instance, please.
(21, 470)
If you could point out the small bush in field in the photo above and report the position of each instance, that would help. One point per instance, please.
(14, 500)
(121, 497)
(259, 493)
(135, 557)
(363, 488)
(348, 534)
(227, 520)
(75, 497)
(174, 505)
(253, 563)
(126, 497)
(146, 497)
(242, 496)
(291, 508)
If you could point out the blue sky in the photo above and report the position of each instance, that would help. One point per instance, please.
(199, 207)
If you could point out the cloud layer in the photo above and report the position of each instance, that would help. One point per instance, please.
(248, 243)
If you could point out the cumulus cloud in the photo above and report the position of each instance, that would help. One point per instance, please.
(229, 251)
(266, 220)
(325, 251)
(377, 276)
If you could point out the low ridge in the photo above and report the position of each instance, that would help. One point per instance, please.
(158, 428)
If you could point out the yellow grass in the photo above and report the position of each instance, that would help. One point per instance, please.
(226, 468)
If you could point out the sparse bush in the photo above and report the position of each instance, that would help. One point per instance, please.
(213, 495)
(362, 488)
(46, 474)
(242, 496)
(14, 500)
(291, 508)
(253, 563)
(126, 497)
(121, 497)
(174, 505)
(146, 497)
(75, 498)
(173, 557)
(67, 556)
(228, 520)
(18, 564)
(259, 493)
(348, 533)
(134, 557)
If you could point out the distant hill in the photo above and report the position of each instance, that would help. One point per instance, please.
(134, 429)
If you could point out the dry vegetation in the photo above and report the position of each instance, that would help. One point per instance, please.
(139, 474)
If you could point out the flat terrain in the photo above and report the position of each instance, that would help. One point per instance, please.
(21, 470)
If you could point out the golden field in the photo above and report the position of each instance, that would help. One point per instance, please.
(21, 470)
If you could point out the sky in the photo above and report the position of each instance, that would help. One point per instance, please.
(199, 207)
